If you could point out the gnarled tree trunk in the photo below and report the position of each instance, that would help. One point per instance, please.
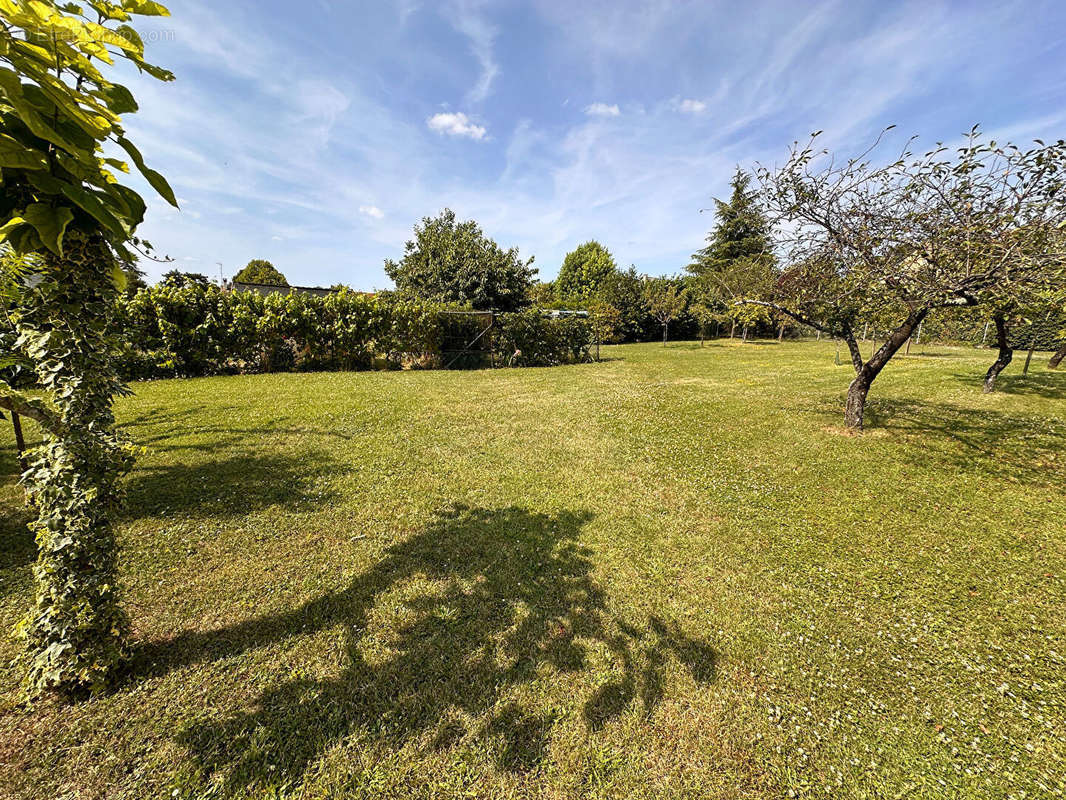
(1057, 358)
(1006, 353)
(866, 373)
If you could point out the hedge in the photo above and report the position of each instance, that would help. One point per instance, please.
(196, 330)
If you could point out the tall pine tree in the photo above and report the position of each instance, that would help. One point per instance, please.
(736, 261)
(741, 231)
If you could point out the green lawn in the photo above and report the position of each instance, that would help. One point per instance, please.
(665, 575)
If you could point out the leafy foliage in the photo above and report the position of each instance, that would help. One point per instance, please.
(58, 111)
(584, 271)
(189, 330)
(259, 270)
(454, 262)
(532, 339)
(666, 300)
(177, 278)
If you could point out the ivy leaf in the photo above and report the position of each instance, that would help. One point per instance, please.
(119, 277)
(51, 223)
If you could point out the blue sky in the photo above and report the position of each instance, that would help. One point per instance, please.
(316, 134)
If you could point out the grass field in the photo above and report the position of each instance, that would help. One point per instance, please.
(667, 575)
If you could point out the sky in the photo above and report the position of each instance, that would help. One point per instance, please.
(315, 134)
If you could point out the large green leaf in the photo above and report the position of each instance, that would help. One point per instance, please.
(90, 204)
(146, 8)
(51, 223)
(118, 98)
(16, 155)
(158, 182)
(11, 87)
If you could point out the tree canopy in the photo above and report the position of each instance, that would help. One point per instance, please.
(737, 261)
(455, 262)
(259, 270)
(741, 230)
(584, 270)
(977, 225)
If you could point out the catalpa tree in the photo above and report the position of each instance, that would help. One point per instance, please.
(70, 225)
(959, 227)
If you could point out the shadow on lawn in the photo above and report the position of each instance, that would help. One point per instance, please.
(229, 487)
(1004, 446)
(1041, 384)
(439, 638)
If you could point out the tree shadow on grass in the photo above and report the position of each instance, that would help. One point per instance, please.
(440, 636)
(17, 549)
(229, 487)
(1039, 384)
(1003, 446)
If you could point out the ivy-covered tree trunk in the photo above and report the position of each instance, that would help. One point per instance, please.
(75, 633)
(1006, 353)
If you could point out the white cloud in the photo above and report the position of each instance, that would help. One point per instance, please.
(692, 106)
(455, 124)
(602, 110)
(276, 239)
(372, 211)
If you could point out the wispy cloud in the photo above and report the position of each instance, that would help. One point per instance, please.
(602, 110)
(692, 106)
(372, 211)
(468, 19)
(455, 124)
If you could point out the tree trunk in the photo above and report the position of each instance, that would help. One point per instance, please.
(666, 325)
(20, 442)
(781, 333)
(1057, 358)
(733, 329)
(865, 373)
(75, 634)
(1028, 358)
(1005, 354)
(744, 334)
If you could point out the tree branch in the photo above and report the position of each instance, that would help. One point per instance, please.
(795, 315)
(31, 407)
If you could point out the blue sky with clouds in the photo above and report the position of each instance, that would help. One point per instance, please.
(315, 134)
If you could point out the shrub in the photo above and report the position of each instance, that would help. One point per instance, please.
(195, 330)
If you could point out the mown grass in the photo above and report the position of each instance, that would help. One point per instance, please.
(667, 575)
